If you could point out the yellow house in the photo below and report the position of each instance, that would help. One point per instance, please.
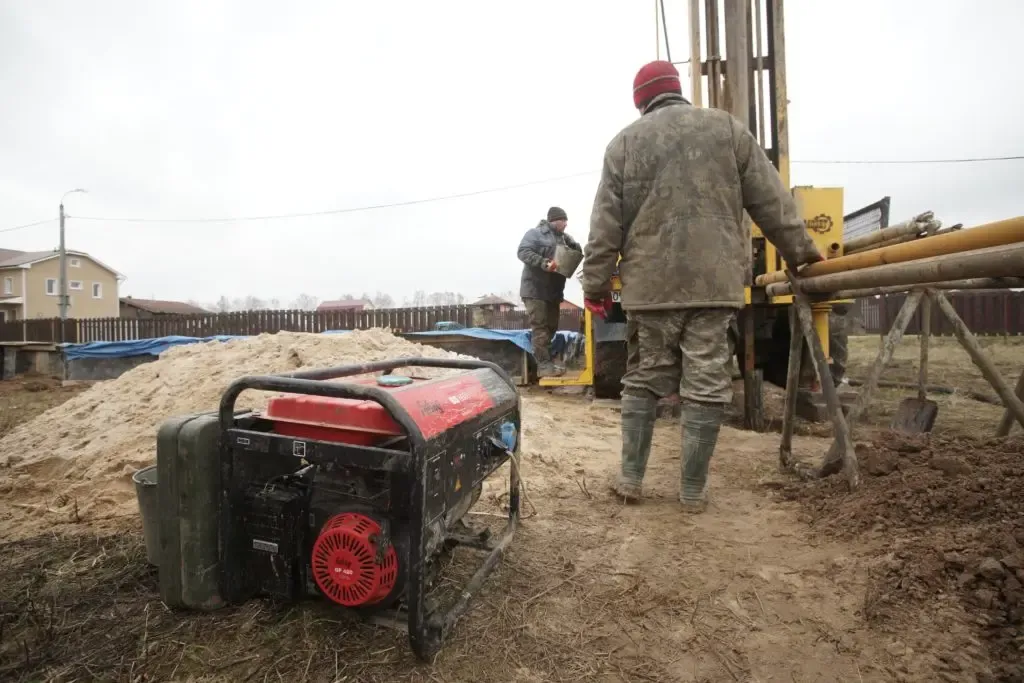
(30, 286)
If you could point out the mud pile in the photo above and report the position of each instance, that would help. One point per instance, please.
(951, 512)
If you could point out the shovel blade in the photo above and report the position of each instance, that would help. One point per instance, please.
(915, 416)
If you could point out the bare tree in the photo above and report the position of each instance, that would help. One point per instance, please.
(445, 299)
(513, 296)
(383, 300)
(305, 302)
(223, 305)
(252, 303)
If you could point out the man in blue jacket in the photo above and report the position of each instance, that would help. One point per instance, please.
(542, 286)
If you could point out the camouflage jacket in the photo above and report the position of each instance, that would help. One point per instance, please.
(537, 246)
(670, 201)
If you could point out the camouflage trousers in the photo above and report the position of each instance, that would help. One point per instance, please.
(543, 319)
(685, 350)
(838, 338)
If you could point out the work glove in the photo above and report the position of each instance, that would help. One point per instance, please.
(599, 307)
(550, 265)
(814, 256)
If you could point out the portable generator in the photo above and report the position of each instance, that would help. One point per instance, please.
(351, 491)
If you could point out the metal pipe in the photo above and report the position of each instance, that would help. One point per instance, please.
(1000, 261)
(906, 238)
(881, 245)
(759, 75)
(1000, 233)
(993, 283)
(737, 59)
(696, 79)
(909, 227)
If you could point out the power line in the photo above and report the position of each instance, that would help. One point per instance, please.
(331, 212)
(28, 225)
(910, 161)
(504, 188)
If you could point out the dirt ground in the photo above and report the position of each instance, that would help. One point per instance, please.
(25, 397)
(915, 577)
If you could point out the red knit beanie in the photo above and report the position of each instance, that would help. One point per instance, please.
(653, 79)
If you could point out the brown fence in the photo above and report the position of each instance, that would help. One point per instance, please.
(258, 322)
(996, 312)
(986, 312)
(516, 320)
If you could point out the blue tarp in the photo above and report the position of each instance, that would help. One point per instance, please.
(154, 347)
(520, 338)
(140, 347)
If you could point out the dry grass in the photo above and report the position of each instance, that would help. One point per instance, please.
(948, 366)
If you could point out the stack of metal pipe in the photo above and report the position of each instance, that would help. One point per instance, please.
(988, 256)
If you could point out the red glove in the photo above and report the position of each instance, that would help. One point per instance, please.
(551, 265)
(599, 307)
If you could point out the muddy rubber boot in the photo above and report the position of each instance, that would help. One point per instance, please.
(701, 425)
(638, 416)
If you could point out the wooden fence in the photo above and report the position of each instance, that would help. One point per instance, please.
(245, 323)
(996, 312)
(985, 312)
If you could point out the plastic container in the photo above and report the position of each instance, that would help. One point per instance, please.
(149, 507)
(568, 260)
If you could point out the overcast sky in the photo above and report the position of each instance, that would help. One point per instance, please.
(203, 108)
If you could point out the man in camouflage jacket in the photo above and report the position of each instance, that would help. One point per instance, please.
(670, 203)
(542, 287)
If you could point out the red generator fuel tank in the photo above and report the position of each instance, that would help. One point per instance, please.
(435, 405)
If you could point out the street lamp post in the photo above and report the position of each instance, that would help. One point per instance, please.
(62, 301)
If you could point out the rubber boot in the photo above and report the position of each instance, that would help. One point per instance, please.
(701, 425)
(638, 417)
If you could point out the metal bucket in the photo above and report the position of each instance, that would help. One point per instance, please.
(146, 493)
(568, 260)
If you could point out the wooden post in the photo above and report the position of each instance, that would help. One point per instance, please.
(984, 363)
(828, 388)
(1007, 422)
(796, 353)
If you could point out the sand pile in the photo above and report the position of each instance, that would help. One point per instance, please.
(74, 462)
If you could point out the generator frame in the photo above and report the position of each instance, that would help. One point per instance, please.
(427, 629)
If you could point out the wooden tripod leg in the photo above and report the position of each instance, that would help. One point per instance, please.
(828, 388)
(984, 363)
(796, 349)
(1006, 423)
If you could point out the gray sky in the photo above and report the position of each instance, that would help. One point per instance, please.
(201, 108)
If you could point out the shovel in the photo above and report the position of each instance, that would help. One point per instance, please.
(917, 415)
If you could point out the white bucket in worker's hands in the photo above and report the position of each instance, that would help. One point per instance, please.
(568, 260)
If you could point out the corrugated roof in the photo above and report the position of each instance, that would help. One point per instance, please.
(343, 304)
(159, 306)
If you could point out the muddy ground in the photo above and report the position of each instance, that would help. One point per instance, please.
(914, 577)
